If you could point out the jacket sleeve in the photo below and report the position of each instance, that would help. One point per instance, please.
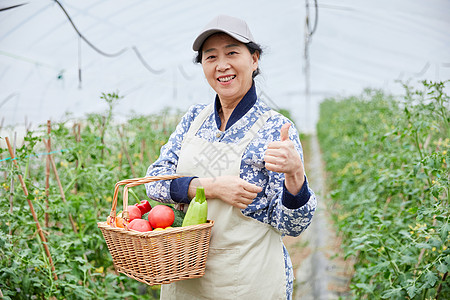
(289, 214)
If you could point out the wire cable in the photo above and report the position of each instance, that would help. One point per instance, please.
(310, 31)
(134, 48)
(11, 7)
(308, 38)
(85, 39)
(146, 65)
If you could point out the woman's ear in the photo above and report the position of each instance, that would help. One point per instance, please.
(255, 59)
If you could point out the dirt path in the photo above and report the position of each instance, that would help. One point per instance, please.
(320, 271)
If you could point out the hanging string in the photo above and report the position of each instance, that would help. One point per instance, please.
(79, 63)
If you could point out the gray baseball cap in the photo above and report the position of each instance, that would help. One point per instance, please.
(234, 27)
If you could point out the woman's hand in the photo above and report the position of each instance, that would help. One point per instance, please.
(282, 157)
(230, 189)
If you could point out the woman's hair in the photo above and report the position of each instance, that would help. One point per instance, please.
(252, 47)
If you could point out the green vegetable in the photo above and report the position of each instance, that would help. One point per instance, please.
(179, 217)
(198, 209)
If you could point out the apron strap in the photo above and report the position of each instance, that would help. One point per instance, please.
(198, 121)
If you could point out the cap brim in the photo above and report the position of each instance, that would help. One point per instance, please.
(197, 45)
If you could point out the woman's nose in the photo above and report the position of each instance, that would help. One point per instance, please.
(222, 65)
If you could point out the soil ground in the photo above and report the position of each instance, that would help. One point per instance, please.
(319, 267)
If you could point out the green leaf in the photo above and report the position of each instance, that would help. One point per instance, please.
(392, 293)
(423, 245)
(412, 291)
(366, 287)
(442, 268)
(430, 278)
(413, 210)
(444, 231)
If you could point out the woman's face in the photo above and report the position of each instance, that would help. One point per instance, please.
(228, 66)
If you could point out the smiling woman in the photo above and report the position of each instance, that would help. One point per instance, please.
(249, 161)
(228, 66)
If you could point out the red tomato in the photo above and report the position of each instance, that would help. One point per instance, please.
(133, 212)
(140, 225)
(161, 216)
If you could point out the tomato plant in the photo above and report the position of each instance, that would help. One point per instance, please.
(90, 157)
(387, 160)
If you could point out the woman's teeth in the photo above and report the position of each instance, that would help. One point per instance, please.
(225, 79)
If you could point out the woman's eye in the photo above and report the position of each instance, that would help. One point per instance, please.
(210, 57)
(232, 53)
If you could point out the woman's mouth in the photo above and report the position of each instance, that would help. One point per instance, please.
(225, 79)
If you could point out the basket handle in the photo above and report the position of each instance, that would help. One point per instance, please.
(130, 183)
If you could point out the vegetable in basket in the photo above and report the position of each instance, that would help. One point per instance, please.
(144, 206)
(179, 214)
(197, 211)
(161, 216)
(140, 225)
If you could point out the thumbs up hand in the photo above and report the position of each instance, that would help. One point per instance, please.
(284, 132)
(282, 157)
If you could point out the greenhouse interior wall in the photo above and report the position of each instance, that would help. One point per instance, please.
(142, 50)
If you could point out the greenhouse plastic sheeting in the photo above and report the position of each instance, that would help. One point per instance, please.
(47, 69)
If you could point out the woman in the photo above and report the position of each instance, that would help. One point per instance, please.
(248, 158)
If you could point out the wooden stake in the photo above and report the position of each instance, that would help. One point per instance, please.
(61, 190)
(47, 175)
(39, 229)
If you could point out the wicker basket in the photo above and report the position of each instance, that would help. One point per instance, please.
(156, 257)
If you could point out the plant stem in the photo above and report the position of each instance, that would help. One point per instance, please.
(444, 278)
(135, 196)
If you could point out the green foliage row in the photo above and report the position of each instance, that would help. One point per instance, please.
(88, 164)
(388, 173)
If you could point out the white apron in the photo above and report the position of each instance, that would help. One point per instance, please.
(245, 259)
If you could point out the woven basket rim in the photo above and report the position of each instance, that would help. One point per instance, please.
(131, 232)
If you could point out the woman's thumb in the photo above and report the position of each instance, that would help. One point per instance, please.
(284, 132)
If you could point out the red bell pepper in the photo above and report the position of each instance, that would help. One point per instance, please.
(144, 206)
